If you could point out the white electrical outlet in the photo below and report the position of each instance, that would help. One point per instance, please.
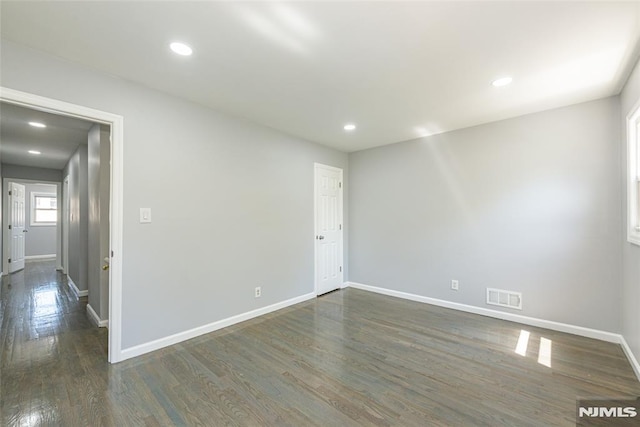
(454, 285)
(258, 292)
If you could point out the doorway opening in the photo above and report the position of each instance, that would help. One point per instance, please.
(112, 263)
(33, 230)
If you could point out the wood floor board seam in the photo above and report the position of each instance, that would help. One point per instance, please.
(349, 358)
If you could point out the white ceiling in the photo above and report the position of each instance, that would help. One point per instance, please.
(56, 143)
(391, 67)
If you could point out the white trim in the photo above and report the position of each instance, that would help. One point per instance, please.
(32, 209)
(632, 358)
(75, 289)
(116, 123)
(95, 318)
(331, 168)
(532, 321)
(633, 174)
(49, 256)
(64, 224)
(317, 166)
(201, 330)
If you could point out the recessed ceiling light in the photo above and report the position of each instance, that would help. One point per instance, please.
(34, 152)
(349, 127)
(502, 81)
(181, 48)
(37, 125)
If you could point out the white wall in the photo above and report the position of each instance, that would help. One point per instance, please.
(40, 239)
(531, 204)
(232, 201)
(631, 253)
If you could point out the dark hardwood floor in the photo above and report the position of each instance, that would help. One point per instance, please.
(347, 358)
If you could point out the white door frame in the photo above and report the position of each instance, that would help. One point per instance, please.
(64, 224)
(116, 123)
(315, 222)
(5, 214)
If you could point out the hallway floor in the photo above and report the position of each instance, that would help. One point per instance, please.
(49, 349)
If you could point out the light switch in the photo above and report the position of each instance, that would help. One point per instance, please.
(145, 215)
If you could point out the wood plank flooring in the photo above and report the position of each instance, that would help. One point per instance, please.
(349, 358)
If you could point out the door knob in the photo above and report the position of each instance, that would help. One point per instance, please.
(320, 237)
(105, 267)
(25, 231)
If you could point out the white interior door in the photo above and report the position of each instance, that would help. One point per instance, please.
(328, 236)
(17, 216)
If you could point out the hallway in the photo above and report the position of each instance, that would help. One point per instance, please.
(48, 347)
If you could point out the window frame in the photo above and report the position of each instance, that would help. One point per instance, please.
(633, 175)
(33, 209)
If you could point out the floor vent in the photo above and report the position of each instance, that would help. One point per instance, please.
(504, 298)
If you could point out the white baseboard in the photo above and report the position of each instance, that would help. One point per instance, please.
(632, 358)
(75, 289)
(211, 327)
(95, 318)
(50, 256)
(532, 321)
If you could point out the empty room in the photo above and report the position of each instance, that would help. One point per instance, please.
(314, 213)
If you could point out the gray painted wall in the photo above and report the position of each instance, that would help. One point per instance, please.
(76, 169)
(98, 197)
(209, 246)
(26, 172)
(631, 253)
(1, 224)
(531, 204)
(105, 230)
(40, 239)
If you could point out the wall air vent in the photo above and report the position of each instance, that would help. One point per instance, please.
(504, 298)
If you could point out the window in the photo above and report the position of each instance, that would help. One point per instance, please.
(633, 174)
(44, 208)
